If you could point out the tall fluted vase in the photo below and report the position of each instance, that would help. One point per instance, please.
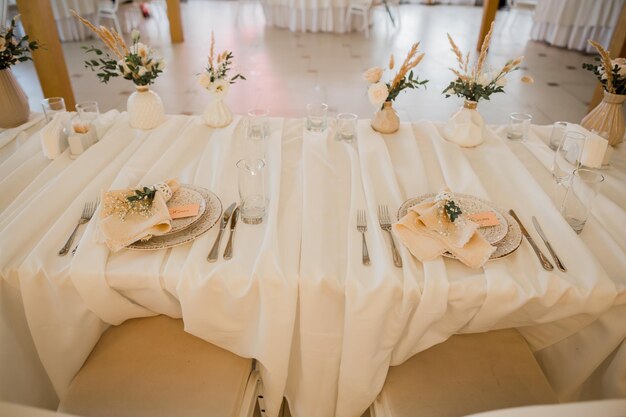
(386, 120)
(466, 126)
(607, 118)
(145, 108)
(13, 101)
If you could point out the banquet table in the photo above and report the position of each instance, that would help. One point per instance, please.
(324, 327)
(569, 23)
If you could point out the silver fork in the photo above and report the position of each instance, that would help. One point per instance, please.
(88, 210)
(385, 224)
(361, 226)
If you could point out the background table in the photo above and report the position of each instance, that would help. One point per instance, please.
(569, 23)
(324, 327)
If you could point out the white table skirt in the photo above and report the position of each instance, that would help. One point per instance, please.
(570, 23)
(324, 328)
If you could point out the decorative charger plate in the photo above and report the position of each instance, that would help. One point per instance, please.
(208, 219)
(509, 242)
(182, 197)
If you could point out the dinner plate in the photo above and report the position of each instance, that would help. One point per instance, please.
(469, 205)
(208, 219)
(182, 197)
(504, 247)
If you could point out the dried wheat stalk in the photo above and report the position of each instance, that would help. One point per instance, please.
(605, 56)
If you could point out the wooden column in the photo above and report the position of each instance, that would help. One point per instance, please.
(49, 60)
(176, 22)
(490, 7)
(617, 48)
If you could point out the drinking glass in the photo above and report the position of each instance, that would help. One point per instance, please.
(251, 190)
(567, 156)
(558, 132)
(257, 132)
(88, 113)
(519, 123)
(346, 127)
(316, 117)
(51, 106)
(583, 188)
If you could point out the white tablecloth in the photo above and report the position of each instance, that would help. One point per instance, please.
(295, 296)
(570, 23)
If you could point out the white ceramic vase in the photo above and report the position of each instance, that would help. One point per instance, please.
(145, 108)
(217, 113)
(607, 118)
(13, 101)
(466, 126)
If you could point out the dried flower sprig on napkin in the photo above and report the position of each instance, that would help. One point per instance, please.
(215, 76)
(137, 63)
(14, 49)
(134, 202)
(379, 91)
(472, 82)
(614, 80)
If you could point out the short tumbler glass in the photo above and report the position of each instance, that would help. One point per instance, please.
(557, 134)
(316, 117)
(346, 127)
(519, 123)
(252, 190)
(52, 106)
(583, 189)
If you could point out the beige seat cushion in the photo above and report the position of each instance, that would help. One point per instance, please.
(152, 367)
(466, 374)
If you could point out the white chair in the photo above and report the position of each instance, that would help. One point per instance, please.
(515, 8)
(152, 367)
(600, 408)
(467, 373)
(359, 8)
(4, 12)
(107, 9)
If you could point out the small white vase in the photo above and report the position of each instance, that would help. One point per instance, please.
(217, 113)
(145, 108)
(466, 126)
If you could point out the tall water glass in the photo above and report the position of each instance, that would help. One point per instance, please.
(519, 124)
(88, 113)
(252, 196)
(567, 156)
(557, 134)
(583, 188)
(316, 117)
(52, 106)
(257, 132)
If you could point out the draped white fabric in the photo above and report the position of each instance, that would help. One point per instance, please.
(570, 23)
(296, 296)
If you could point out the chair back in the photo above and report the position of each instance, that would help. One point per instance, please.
(4, 9)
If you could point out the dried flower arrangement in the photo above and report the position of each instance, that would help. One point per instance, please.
(614, 80)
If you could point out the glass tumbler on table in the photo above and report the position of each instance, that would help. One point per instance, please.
(519, 123)
(557, 134)
(583, 188)
(316, 117)
(567, 156)
(251, 190)
(346, 127)
(88, 113)
(52, 106)
(257, 132)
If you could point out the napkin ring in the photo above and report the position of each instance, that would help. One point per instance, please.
(165, 190)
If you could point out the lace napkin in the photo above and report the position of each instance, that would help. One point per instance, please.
(122, 223)
(427, 231)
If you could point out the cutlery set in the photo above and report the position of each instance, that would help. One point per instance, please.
(88, 210)
(385, 224)
(231, 213)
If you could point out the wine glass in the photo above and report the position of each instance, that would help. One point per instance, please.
(567, 156)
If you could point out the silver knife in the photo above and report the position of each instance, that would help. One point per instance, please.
(539, 230)
(216, 246)
(544, 261)
(228, 252)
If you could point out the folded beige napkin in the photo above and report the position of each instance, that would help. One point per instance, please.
(120, 230)
(428, 234)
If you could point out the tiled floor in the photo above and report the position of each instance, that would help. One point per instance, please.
(285, 70)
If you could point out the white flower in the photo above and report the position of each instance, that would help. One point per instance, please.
(621, 64)
(3, 44)
(142, 71)
(373, 75)
(135, 35)
(139, 49)
(204, 80)
(161, 64)
(122, 67)
(378, 93)
(220, 87)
